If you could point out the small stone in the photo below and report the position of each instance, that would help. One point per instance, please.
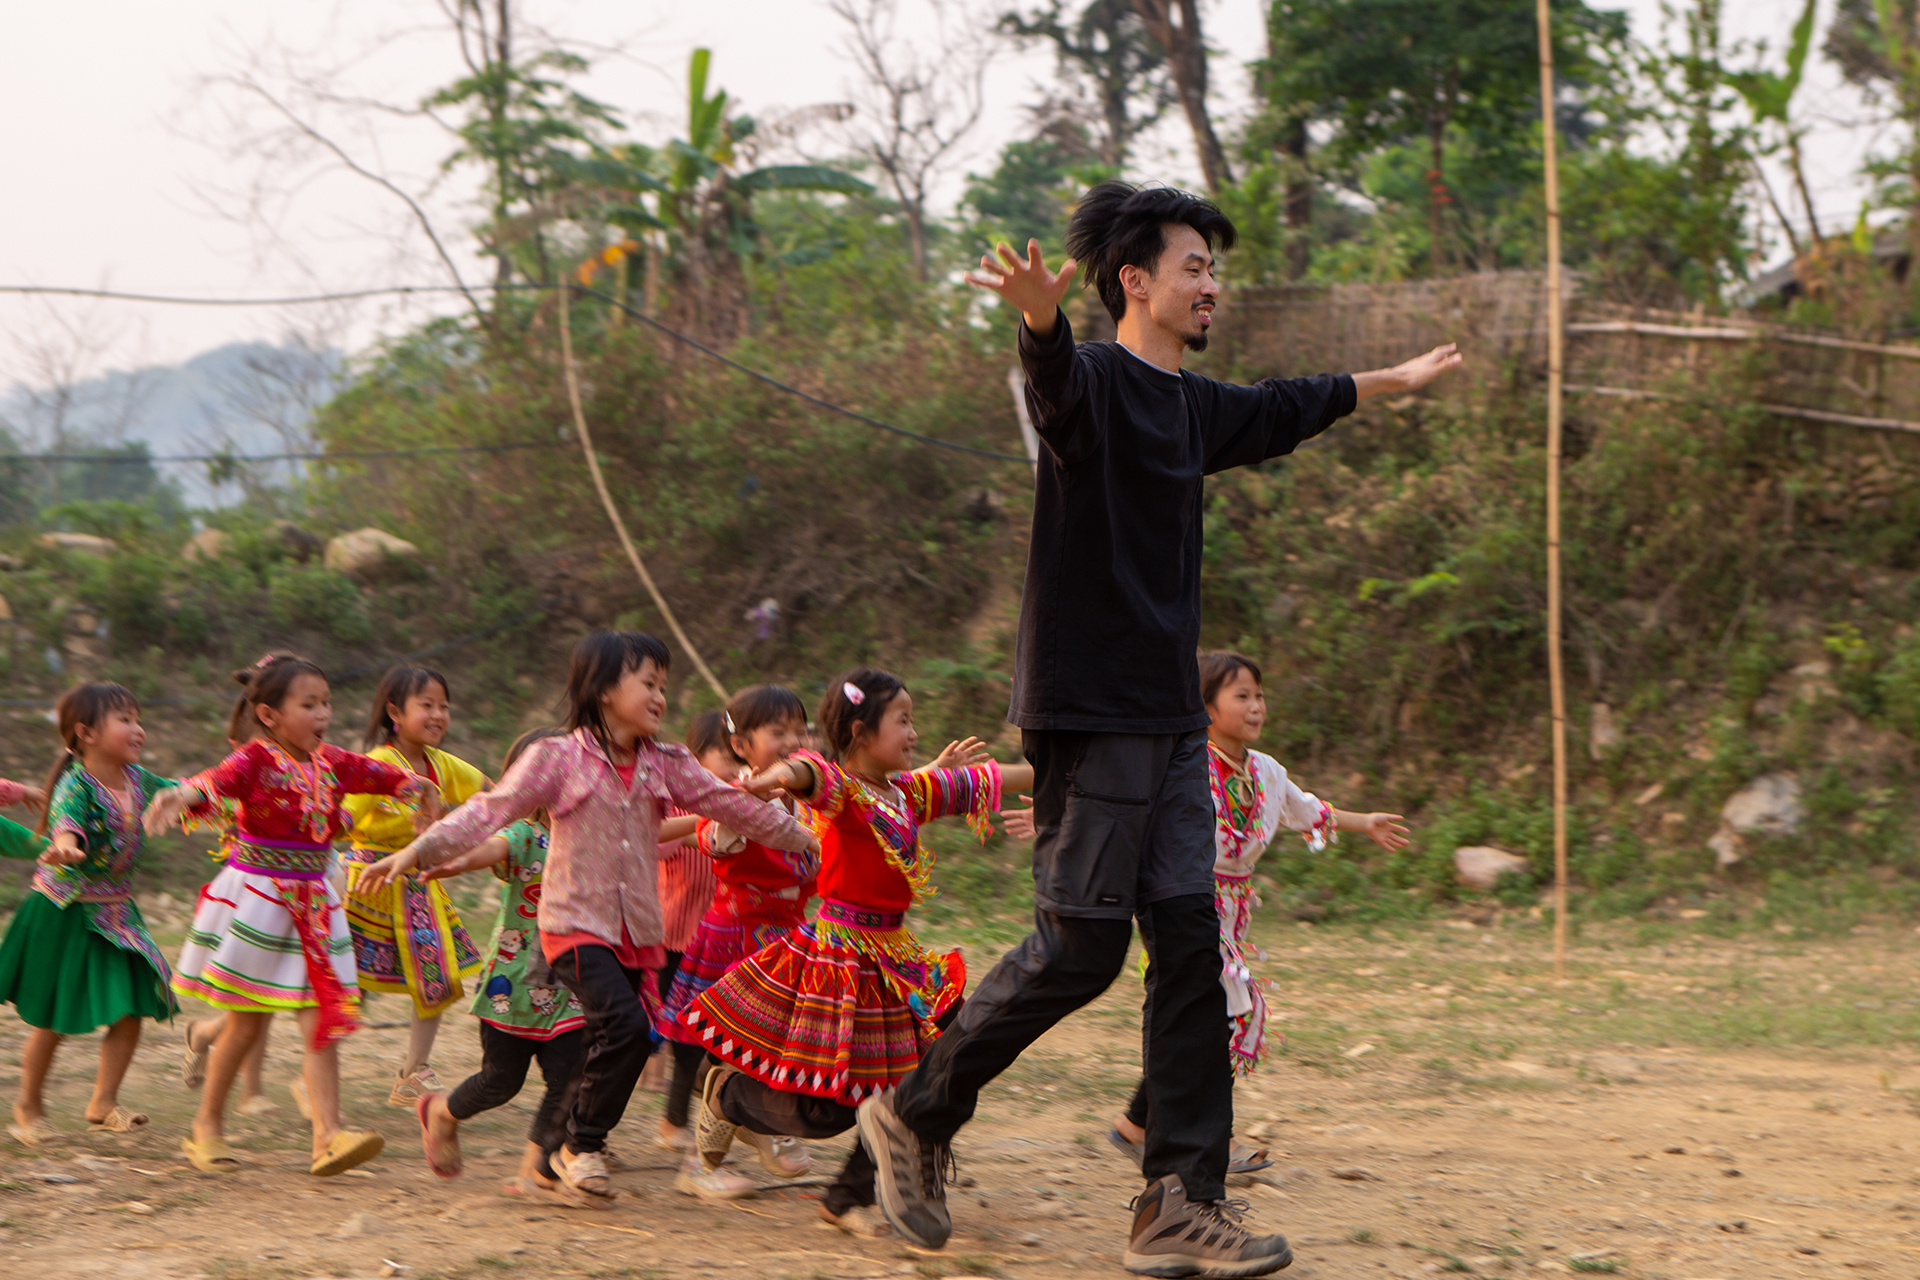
(1731, 1173)
(1480, 1262)
(1676, 1151)
(368, 552)
(359, 1224)
(140, 1207)
(1718, 1153)
(1032, 1240)
(1354, 1173)
(1807, 1249)
(1481, 866)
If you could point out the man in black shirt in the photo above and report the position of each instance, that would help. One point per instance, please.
(1106, 692)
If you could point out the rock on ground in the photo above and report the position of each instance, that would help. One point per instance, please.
(366, 552)
(1481, 866)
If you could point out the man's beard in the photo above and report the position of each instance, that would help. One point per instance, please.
(1196, 341)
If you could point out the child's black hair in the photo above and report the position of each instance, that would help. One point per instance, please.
(1117, 224)
(599, 660)
(708, 732)
(762, 704)
(399, 684)
(1219, 667)
(843, 720)
(265, 683)
(84, 704)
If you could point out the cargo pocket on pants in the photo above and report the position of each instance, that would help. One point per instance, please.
(1093, 864)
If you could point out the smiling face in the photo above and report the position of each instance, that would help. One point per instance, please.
(1238, 711)
(768, 744)
(889, 748)
(112, 744)
(633, 708)
(425, 718)
(1180, 292)
(300, 722)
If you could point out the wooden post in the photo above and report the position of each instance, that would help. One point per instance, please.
(1556, 672)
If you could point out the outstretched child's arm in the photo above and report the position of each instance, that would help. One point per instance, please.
(737, 808)
(1383, 829)
(65, 850)
(489, 852)
(13, 793)
(17, 841)
(959, 755)
(677, 828)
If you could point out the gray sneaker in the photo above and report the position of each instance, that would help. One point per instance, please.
(1175, 1236)
(910, 1175)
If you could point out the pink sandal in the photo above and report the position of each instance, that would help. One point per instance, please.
(436, 1150)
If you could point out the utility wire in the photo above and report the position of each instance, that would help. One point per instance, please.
(403, 289)
(272, 457)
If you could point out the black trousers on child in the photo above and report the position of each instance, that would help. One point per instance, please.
(687, 1058)
(618, 1040)
(1124, 830)
(504, 1059)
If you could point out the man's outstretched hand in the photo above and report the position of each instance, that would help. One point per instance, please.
(1410, 376)
(1027, 285)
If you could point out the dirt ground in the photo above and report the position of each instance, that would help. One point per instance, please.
(1684, 1106)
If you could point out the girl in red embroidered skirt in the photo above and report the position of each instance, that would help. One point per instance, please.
(269, 932)
(840, 1009)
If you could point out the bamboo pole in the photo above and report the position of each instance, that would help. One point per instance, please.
(613, 512)
(1556, 672)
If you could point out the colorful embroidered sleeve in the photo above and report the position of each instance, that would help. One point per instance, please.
(940, 793)
(17, 841)
(70, 807)
(697, 791)
(831, 795)
(365, 775)
(533, 783)
(232, 777)
(152, 783)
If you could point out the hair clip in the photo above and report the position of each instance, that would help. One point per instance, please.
(727, 716)
(855, 694)
(265, 662)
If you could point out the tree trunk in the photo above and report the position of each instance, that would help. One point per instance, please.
(1299, 207)
(1436, 191)
(1187, 60)
(916, 235)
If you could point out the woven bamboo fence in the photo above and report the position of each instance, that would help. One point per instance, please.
(1498, 318)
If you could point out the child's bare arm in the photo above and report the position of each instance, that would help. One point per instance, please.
(1383, 829)
(65, 850)
(487, 853)
(677, 828)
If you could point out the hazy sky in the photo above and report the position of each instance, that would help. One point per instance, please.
(128, 166)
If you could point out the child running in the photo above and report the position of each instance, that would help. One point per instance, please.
(687, 887)
(199, 1037)
(524, 1016)
(407, 937)
(608, 782)
(1253, 801)
(762, 897)
(269, 932)
(841, 1009)
(78, 955)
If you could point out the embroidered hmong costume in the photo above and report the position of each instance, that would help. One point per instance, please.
(1252, 802)
(841, 1008)
(407, 937)
(761, 897)
(269, 932)
(517, 992)
(78, 956)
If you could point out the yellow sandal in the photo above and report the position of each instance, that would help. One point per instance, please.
(349, 1148)
(211, 1156)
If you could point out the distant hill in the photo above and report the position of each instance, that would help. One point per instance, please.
(246, 397)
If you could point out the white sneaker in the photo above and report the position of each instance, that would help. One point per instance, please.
(781, 1156)
(584, 1172)
(695, 1179)
(410, 1087)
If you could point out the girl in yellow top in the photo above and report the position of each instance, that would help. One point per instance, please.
(406, 936)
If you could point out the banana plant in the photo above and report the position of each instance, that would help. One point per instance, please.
(1768, 95)
(693, 189)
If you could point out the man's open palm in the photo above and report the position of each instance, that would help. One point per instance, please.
(1028, 285)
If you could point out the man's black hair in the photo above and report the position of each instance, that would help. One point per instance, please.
(1117, 224)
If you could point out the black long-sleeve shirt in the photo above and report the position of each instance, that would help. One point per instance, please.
(1110, 617)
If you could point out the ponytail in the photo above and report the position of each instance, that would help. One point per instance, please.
(83, 705)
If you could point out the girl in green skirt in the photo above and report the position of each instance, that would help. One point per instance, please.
(78, 956)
